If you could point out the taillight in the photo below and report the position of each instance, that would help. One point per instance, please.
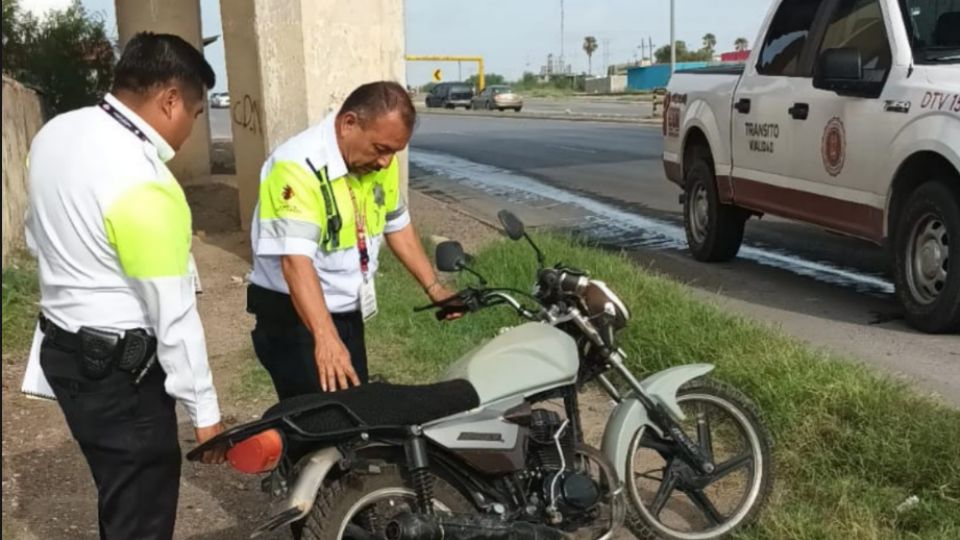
(666, 108)
(257, 454)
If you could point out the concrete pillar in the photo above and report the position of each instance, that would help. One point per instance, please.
(180, 17)
(290, 62)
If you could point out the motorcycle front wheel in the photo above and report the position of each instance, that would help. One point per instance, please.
(671, 500)
(359, 506)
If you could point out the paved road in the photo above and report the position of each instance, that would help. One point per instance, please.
(606, 181)
(585, 106)
(220, 124)
(582, 106)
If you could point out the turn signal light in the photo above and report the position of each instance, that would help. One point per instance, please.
(257, 454)
(666, 107)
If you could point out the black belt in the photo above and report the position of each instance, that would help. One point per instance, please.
(276, 310)
(134, 353)
(68, 341)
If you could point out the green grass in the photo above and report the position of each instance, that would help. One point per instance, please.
(21, 292)
(547, 92)
(850, 444)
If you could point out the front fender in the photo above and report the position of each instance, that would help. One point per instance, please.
(315, 469)
(630, 414)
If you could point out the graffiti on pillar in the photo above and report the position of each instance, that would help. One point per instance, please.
(246, 113)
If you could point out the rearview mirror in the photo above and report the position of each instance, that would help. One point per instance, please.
(841, 71)
(511, 224)
(450, 256)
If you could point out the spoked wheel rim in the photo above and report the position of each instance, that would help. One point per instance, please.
(698, 213)
(928, 255)
(369, 516)
(670, 495)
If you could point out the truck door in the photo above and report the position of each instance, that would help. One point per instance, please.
(840, 141)
(762, 141)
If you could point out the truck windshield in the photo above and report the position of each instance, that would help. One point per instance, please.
(934, 28)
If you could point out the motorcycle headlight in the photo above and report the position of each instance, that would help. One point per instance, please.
(599, 299)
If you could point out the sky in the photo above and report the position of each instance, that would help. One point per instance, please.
(515, 36)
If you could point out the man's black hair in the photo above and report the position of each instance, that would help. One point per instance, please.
(150, 60)
(373, 100)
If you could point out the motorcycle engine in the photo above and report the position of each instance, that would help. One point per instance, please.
(558, 469)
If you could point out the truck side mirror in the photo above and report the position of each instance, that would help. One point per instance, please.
(841, 71)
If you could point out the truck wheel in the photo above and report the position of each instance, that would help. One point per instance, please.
(714, 230)
(927, 278)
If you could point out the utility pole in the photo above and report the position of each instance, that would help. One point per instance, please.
(562, 62)
(606, 56)
(673, 37)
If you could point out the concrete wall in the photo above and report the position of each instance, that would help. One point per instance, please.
(180, 17)
(613, 84)
(656, 76)
(22, 118)
(291, 62)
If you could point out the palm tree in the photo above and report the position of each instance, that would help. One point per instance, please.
(589, 47)
(741, 44)
(710, 42)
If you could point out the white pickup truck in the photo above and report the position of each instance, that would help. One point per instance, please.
(846, 116)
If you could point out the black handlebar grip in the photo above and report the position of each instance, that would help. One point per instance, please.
(446, 311)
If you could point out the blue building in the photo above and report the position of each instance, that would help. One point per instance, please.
(655, 76)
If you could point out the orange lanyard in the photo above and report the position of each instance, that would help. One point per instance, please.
(360, 219)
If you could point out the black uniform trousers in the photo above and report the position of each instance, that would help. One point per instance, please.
(285, 346)
(129, 437)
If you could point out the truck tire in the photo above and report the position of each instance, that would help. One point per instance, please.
(714, 230)
(927, 277)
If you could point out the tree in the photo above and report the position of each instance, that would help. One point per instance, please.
(710, 42)
(741, 44)
(683, 54)
(488, 79)
(67, 55)
(590, 46)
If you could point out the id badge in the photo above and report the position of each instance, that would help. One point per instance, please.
(368, 299)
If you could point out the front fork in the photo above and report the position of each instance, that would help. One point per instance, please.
(657, 395)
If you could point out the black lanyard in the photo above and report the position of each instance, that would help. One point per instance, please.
(123, 120)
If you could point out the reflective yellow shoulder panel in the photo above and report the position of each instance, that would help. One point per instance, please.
(150, 228)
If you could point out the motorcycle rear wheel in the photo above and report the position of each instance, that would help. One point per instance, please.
(359, 505)
(677, 505)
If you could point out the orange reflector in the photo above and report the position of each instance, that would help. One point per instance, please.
(257, 454)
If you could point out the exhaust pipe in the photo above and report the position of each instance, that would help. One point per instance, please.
(410, 526)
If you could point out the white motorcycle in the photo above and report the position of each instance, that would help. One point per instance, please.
(496, 449)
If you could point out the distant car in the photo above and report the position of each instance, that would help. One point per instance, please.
(498, 97)
(450, 96)
(220, 100)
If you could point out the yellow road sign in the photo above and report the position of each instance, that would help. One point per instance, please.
(481, 81)
(437, 75)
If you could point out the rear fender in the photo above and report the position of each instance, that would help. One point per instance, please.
(300, 500)
(630, 415)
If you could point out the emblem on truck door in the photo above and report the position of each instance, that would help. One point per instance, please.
(833, 146)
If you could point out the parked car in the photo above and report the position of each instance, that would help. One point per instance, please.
(847, 117)
(498, 97)
(220, 100)
(450, 96)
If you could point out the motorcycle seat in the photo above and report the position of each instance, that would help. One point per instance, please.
(377, 404)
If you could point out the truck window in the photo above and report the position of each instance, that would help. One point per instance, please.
(786, 38)
(934, 28)
(859, 24)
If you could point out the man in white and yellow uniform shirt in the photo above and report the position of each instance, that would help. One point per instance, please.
(329, 198)
(121, 337)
